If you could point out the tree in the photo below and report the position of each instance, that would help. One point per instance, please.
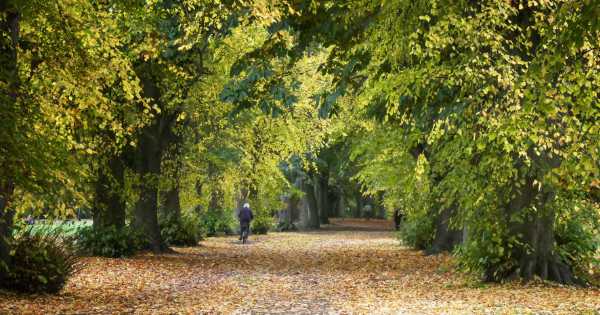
(489, 94)
(179, 34)
(53, 98)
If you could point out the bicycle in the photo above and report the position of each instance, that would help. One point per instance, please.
(245, 231)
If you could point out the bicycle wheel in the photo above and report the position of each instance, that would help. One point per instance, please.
(245, 236)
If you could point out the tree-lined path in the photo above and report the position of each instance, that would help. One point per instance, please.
(351, 266)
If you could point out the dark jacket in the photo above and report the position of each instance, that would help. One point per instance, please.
(245, 215)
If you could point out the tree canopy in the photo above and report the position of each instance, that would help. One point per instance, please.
(477, 121)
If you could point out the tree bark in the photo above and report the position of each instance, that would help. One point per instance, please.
(6, 223)
(170, 202)
(313, 221)
(109, 204)
(286, 215)
(446, 238)
(153, 140)
(322, 196)
(537, 257)
(148, 168)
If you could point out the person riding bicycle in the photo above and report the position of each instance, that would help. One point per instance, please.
(245, 216)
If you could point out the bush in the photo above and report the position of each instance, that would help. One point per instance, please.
(417, 231)
(262, 224)
(110, 241)
(490, 248)
(217, 221)
(40, 262)
(286, 226)
(63, 229)
(186, 231)
(578, 236)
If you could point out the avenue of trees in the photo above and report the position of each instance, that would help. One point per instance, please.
(477, 120)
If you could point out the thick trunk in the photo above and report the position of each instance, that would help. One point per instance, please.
(303, 213)
(537, 255)
(541, 260)
(313, 221)
(153, 140)
(109, 204)
(446, 238)
(148, 169)
(322, 196)
(146, 219)
(285, 216)
(170, 202)
(6, 223)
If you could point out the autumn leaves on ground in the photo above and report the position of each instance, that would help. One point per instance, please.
(351, 266)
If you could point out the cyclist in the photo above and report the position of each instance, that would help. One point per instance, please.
(245, 216)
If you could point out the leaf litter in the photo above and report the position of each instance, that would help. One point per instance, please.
(352, 267)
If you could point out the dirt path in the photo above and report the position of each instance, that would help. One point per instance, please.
(338, 270)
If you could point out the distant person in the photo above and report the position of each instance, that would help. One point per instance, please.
(245, 216)
(397, 219)
(30, 220)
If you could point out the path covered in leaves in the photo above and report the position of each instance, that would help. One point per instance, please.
(350, 267)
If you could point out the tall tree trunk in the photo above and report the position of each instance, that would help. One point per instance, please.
(6, 223)
(313, 221)
(322, 196)
(170, 203)
(152, 141)
(286, 215)
(537, 255)
(147, 167)
(445, 237)
(109, 203)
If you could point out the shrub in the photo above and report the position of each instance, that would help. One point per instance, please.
(186, 231)
(110, 241)
(286, 226)
(577, 236)
(217, 221)
(62, 228)
(40, 262)
(262, 224)
(417, 231)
